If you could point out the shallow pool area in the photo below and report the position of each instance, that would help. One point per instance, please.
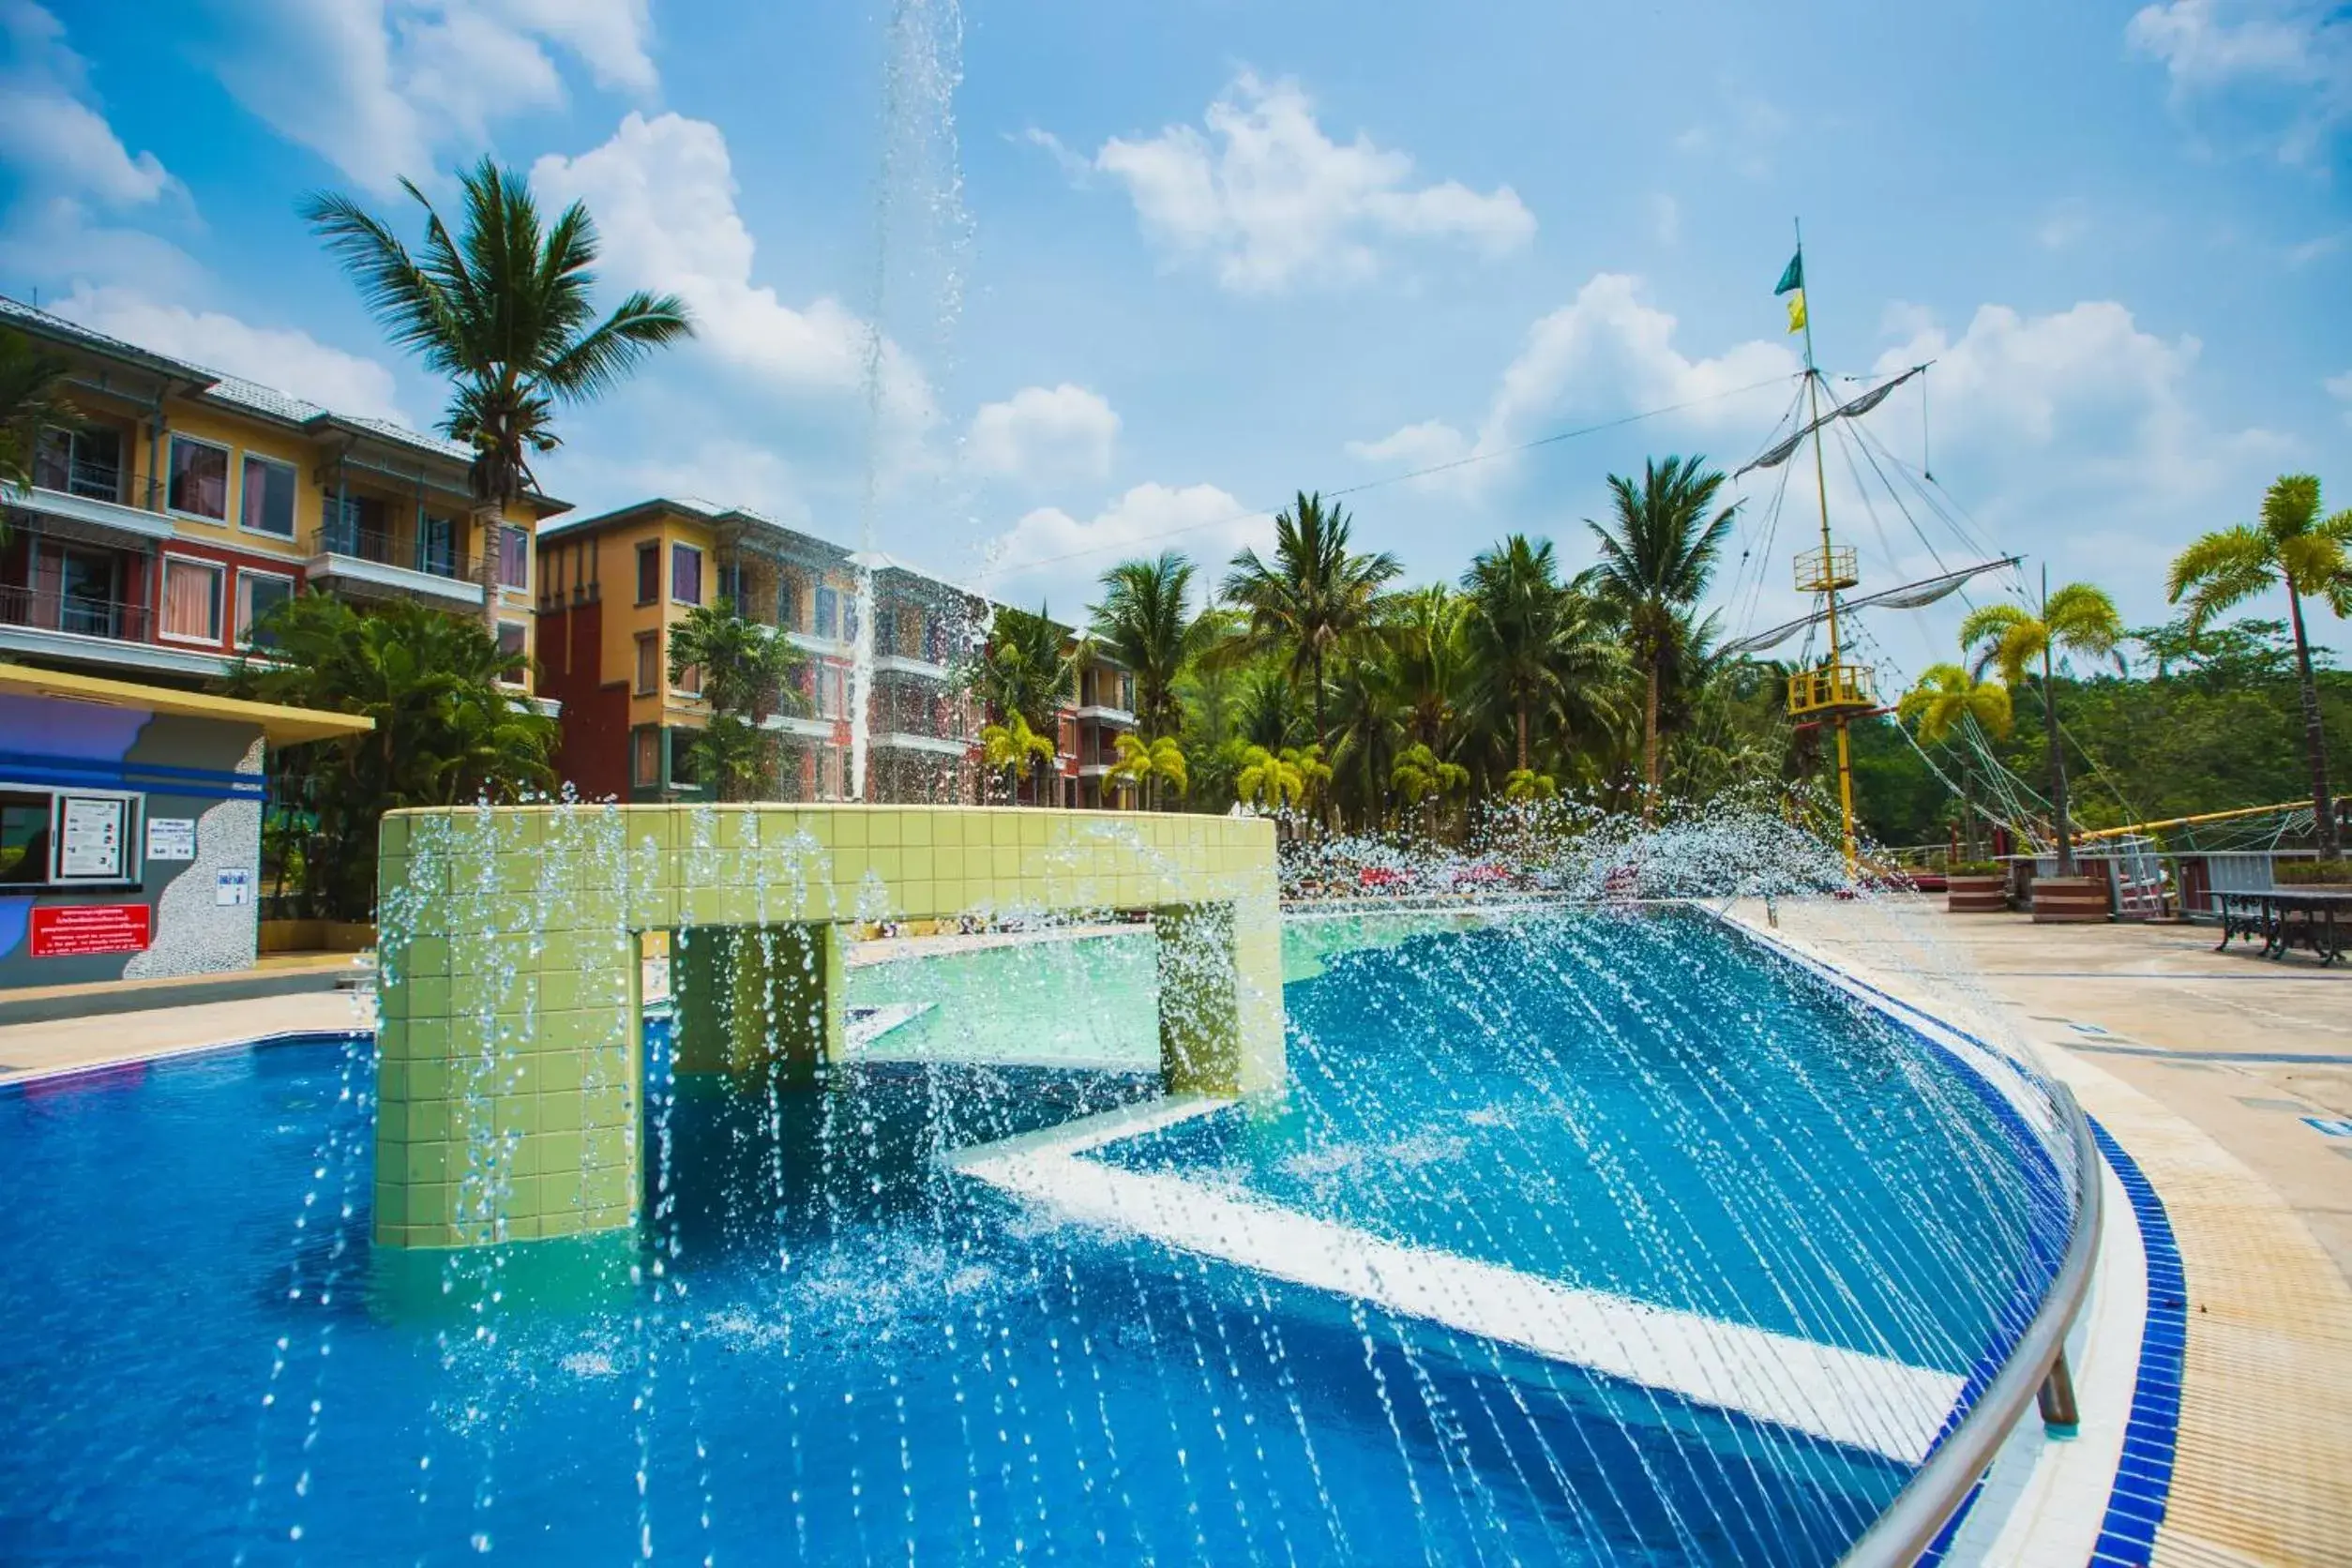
(1472, 1289)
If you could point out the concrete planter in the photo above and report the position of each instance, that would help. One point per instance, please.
(317, 936)
(2069, 901)
(1986, 894)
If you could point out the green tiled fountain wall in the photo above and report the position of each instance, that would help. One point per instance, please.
(508, 1088)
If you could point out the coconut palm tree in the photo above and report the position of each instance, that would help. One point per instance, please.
(1151, 766)
(1025, 670)
(1429, 657)
(1269, 778)
(2292, 547)
(1146, 622)
(1015, 748)
(1313, 600)
(1532, 649)
(2076, 619)
(745, 673)
(32, 397)
(1655, 562)
(1944, 702)
(502, 310)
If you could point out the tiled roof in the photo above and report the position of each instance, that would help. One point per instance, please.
(35, 319)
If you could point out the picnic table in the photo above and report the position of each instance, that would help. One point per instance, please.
(2286, 917)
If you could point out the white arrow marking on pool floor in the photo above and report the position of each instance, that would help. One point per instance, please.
(1848, 1396)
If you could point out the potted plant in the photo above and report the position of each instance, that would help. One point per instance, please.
(1976, 887)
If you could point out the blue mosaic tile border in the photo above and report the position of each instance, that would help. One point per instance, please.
(2142, 1479)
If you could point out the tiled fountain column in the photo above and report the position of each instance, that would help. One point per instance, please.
(508, 1083)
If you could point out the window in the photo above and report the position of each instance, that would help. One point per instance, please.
(885, 632)
(513, 642)
(514, 558)
(269, 497)
(437, 547)
(645, 758)
(258, 594)
(689, 681)
(24, 838)
(682, 770)
(85, 461)
(354, 526)
(648, 663)
(731, 588)
(199, 479)
(648, 573)
(192, 599)
(787, 603)
(828, 611)
(685, 575)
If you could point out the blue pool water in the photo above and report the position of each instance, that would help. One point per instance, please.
(850, 1355)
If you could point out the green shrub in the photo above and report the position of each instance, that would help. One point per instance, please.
(1973, 869)
(2293, 873)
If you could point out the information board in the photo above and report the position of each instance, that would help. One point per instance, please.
(91, 833)
(72, 930)
(171, 837)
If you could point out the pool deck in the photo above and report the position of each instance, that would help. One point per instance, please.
(2211, 1070)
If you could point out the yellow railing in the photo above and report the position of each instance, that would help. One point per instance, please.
(1835, 567)
(1837, 689)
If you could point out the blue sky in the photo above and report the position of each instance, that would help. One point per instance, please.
(1149, 269)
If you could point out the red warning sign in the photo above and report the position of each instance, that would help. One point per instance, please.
(71, 930)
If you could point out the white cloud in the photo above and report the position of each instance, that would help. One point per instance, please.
(1266, 199)
(1607, 352)
(2065, 224)
(279, 357)
(52, 138)
(1665, 219)
(2294, 54)
(2340, 388)
(1744, 136)
(379, 88)
(1042, 435)
(663, 192)
(1051, 556)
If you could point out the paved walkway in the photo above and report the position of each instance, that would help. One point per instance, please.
(2205, 1068)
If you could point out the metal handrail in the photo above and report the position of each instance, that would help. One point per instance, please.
(1938, 1487)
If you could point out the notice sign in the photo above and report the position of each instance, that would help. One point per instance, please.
(71, 930)
(233, 887)
(171, 837)
(91, 838)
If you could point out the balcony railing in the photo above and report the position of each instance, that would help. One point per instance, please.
(92, 481)
(1838, 688)
(384, 548)
(52, 610)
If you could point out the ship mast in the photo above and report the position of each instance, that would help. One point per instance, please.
(1835, 693)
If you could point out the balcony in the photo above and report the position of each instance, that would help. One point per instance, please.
(78, 513)
(1106, 714)
(910, 664)
(371, 563)
(106, 633)
(909, 740)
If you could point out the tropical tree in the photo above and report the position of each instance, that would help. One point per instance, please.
(1313, 600)
(1025, 670)
(1015, 748)
(1151, 767)
(1270, 779)
(1533, 648)
(1424, 646)
(1525, 784)
(2310, 556)
(745, 671)
(449, 728)
(1146, 622)
(32, 397)
(2076, 619)
(1425, 781)
(1655, 561)
(502, 310)
(1947, 699)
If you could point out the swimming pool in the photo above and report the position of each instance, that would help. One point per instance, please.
(839, 1344)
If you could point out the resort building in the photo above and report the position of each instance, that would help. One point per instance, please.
(1100, 710)
(181, 505)
(613, 587)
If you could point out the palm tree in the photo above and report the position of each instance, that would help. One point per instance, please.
(2076, 619)
(1270, 778)
(2293, 547)
(1531, 638)
(1145, 622)
(746, 675)
(1428, 655)
(1946, 701)
(1423, 781)
(1151, 765)
(1654, 564)
(502, 310)
(1025, 672)
(1014, 747)
(31, 399)
(1525, 784)
(1315, 597)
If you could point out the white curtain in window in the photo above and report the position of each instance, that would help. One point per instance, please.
(191, 600)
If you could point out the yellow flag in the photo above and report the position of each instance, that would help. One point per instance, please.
(1797, 310)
